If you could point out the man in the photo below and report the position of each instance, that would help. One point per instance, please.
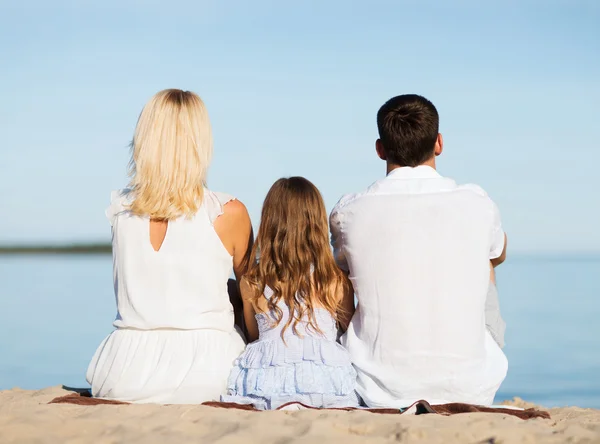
(418, 249)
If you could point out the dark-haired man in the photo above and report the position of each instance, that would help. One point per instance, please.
(418, 249)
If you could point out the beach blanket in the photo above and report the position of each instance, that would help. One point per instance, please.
(83, 397)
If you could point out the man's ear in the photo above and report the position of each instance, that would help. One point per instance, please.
(439, 145)
(380, 150)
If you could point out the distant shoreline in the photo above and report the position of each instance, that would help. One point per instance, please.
(97, 248)
(105, 248)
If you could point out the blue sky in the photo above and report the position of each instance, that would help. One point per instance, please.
(293, 89)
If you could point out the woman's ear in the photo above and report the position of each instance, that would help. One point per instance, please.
(380, 150)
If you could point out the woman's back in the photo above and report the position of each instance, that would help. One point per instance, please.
(175, 244)
(182, 285)
(175, 340)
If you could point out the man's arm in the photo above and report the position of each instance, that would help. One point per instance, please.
(500, 259)
(235, 230)
(346, 308)
(335, 226)
(493, 319)
(498, 239)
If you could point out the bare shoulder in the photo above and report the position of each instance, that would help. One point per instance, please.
(234, 214)
(235, 209)
(233, 225)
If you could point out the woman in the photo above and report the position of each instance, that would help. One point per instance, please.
(174, 245)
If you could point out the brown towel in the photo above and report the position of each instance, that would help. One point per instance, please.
(420, 408)
(83, 397)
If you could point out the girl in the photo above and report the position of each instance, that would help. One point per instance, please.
(295, 298)
(174, 245)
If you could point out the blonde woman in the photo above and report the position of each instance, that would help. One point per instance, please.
(174, 245)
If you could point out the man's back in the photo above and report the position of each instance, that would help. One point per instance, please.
(417, 247)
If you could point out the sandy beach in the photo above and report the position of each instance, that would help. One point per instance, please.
(26, 416)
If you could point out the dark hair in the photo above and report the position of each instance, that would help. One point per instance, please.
(408, 128)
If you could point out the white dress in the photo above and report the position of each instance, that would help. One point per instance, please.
(175, 340)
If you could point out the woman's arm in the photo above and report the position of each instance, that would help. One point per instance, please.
(249, 311)
(236, 227)
(346, 308)
(235, 231)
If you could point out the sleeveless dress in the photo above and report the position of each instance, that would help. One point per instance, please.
(175, 340)
(309, 368)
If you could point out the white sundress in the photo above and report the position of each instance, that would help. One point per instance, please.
(175, 340)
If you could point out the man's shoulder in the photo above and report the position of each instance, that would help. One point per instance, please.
(344, 201)
(476, 192)
(348, 200)
(473, 188)
(475, 196)
(352, 198)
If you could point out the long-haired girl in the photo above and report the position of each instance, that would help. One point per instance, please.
(295, 300)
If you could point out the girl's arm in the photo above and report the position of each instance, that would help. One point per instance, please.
(346, 309)
(249, 312)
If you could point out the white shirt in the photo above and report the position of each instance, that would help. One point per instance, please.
(417, 247)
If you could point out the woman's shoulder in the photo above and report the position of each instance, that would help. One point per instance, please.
(218, 203)
(218, 197)
(119, 202)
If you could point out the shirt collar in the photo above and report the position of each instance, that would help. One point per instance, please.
(418, 172)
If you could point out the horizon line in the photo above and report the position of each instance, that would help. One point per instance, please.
(106, 247)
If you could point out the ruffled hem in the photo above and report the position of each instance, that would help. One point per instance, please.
(302, 366)
(269, 353)
(215, 201)
(313, 400)
(301, 378)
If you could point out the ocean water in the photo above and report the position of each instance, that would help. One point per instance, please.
(55, 311)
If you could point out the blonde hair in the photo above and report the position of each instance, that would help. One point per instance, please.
(170, 154)
(295, 259)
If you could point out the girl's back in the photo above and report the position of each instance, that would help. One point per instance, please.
(293, 365)
(294, 298)
(270, 328)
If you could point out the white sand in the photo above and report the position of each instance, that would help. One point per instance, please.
(26, 416)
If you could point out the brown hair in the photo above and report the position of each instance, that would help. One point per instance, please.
(294, 257)
(408, 128)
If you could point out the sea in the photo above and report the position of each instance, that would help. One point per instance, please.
(56, 309)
